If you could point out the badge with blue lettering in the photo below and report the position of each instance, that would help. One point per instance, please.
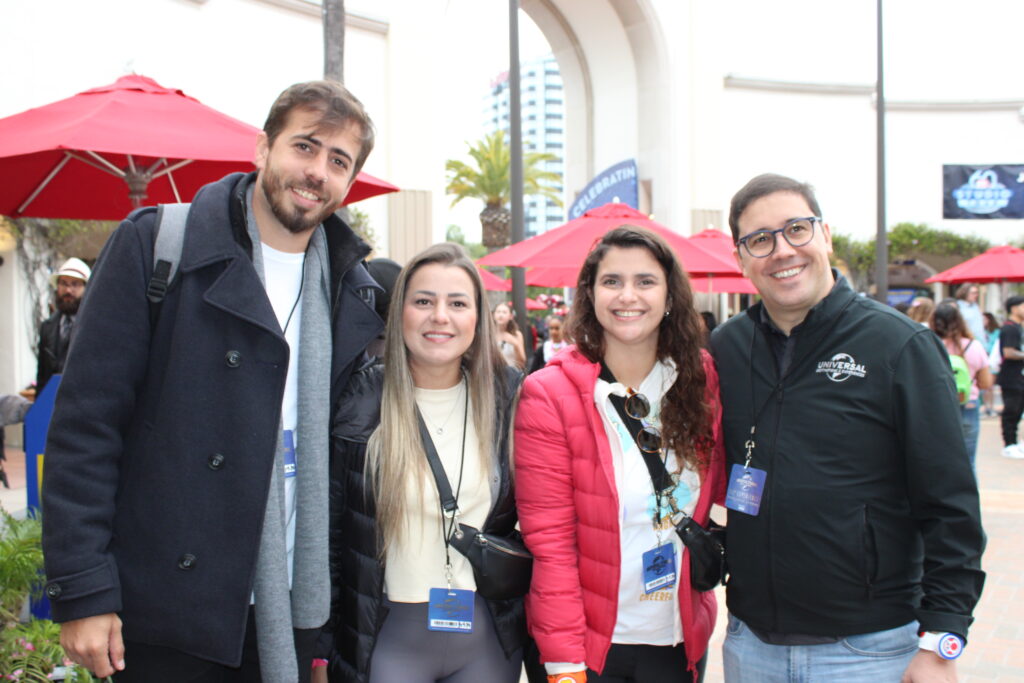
(659, 568)
(289, 453)
(451, 610)
(746, 485)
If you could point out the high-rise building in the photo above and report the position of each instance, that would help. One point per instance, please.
(543, 122)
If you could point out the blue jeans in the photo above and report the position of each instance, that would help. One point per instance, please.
(879, 657)
(970, 414)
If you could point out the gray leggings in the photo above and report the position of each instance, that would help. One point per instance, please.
(407, 651)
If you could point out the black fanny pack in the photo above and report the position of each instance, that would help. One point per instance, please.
(502, 566)
(707, 552)
(706, 546)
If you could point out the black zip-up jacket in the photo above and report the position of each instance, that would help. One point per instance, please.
(357, 575)
(870, 515)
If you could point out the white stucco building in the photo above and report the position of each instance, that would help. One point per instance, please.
(703, 94)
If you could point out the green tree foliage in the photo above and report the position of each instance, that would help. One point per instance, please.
(856, 257)
(488, 180)
(906, 240)
(454, 234)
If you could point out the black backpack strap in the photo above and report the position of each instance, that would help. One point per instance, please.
(170, 238)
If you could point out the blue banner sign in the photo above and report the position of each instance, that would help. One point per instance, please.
(994, 191)
(37, 423)
(614, 184)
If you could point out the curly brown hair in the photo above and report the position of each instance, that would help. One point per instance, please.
(685, 414)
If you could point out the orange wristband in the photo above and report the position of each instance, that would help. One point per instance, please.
(576, 677)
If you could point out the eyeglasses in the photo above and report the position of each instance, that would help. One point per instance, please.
(798, 232)
(638, 408)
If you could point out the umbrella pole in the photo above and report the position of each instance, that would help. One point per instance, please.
(46, 181)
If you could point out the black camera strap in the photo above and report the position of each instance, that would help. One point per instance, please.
(449, 501)
(660, 478)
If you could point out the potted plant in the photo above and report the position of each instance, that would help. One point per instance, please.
(29, 651)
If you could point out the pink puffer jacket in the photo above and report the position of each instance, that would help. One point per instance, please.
(568, 512)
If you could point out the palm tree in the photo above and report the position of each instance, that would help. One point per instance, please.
(488, 181)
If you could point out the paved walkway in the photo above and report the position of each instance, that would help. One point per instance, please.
(995, 651)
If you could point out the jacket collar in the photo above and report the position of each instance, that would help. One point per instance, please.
(223, 203)
(580, 371)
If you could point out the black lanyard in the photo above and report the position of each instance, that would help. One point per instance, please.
(449, 502)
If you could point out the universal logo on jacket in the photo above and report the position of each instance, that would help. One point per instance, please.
(841, 367)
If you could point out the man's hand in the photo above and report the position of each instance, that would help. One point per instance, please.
(95, 643)
(928, 667)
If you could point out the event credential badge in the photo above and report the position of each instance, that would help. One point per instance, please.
(746, 486)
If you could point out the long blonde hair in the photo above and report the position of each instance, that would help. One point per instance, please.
(396, 461)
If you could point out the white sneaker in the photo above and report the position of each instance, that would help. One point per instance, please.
(1013, 451)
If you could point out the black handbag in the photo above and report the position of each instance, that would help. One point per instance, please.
(706, 546)
(502, 566)
(707, 552)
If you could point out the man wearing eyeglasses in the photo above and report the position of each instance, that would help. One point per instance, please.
(854, 526)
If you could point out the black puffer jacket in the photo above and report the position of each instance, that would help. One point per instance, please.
(357, 576)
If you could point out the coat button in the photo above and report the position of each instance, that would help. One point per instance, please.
(187, 561)
(233, 358)
(215, 461)
(53, 591)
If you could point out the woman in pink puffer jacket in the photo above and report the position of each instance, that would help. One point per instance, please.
(611, 597)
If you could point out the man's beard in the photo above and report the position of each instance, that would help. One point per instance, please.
(295, 221)
(68, 305)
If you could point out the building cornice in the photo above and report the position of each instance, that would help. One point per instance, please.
(803, 88)
(314, 8)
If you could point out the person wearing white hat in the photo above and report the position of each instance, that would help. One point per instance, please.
(55, 332)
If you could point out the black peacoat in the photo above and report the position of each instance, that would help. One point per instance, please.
(159, 455)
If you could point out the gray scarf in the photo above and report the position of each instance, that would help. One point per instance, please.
(308, 605)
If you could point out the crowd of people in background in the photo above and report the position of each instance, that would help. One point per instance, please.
(990, 351)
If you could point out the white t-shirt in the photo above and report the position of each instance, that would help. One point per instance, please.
(283, 273)
(415, 564)
(644, 618)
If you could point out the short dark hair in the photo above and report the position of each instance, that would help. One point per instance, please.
(1013, 301)
(762, 186)
(335, 104)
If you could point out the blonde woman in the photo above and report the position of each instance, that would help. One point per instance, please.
(390, 543)
(510, 339)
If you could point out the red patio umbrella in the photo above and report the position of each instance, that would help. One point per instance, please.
(493, 283)
(998, 264)
(552, 277)
(534, 305)
(720, 244)
(723, 284)
(568, 245)
(72, 158)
